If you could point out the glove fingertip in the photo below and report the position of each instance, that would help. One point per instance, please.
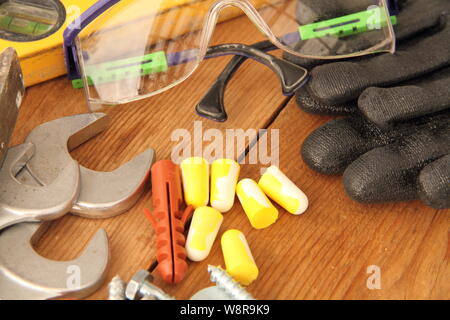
(333, 146)
(376, 106)
(308, 104)
(434, 183)
(374, 178)
(355, 183)
(337, 82)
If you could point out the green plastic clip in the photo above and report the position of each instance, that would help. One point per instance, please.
(347, 25)
(126, 68)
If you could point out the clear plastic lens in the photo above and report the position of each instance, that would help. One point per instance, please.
(139, 48)
(326, 28)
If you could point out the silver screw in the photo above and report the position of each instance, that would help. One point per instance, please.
(227, 284)
(141, 286)
(116, 289)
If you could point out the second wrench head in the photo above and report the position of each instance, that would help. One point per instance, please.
(26, 275)
(102, 194)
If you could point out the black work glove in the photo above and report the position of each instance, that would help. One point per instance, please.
(395, 144)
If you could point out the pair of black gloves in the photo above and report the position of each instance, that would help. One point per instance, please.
(394, 142)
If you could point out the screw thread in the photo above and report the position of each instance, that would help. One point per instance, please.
(116, 289)
(226, 283)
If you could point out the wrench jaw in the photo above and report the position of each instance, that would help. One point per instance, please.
(108, 194)
(77, 134)
(23, 154)
(16, 158)
(19, 202)
(26, 275)
(102, 194)
(54, 140)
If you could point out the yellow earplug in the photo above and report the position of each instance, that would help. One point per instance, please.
(205, 225)
(258, 208)
(238, 258)
(224, 176)
(283, 191)
(195, 176)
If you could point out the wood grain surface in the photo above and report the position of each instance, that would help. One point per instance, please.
(322, 254)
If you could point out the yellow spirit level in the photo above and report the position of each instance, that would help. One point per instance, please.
(35, 29)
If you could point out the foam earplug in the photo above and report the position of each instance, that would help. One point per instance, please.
(224, 176)
(258, 208)
(205, 225)
(283, 191)
(238, 258)
(195, 176)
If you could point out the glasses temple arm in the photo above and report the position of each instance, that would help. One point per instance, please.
(291, 76)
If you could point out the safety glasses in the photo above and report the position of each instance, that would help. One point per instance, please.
(124, 50)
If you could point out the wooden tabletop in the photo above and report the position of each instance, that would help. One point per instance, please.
(326, 253)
